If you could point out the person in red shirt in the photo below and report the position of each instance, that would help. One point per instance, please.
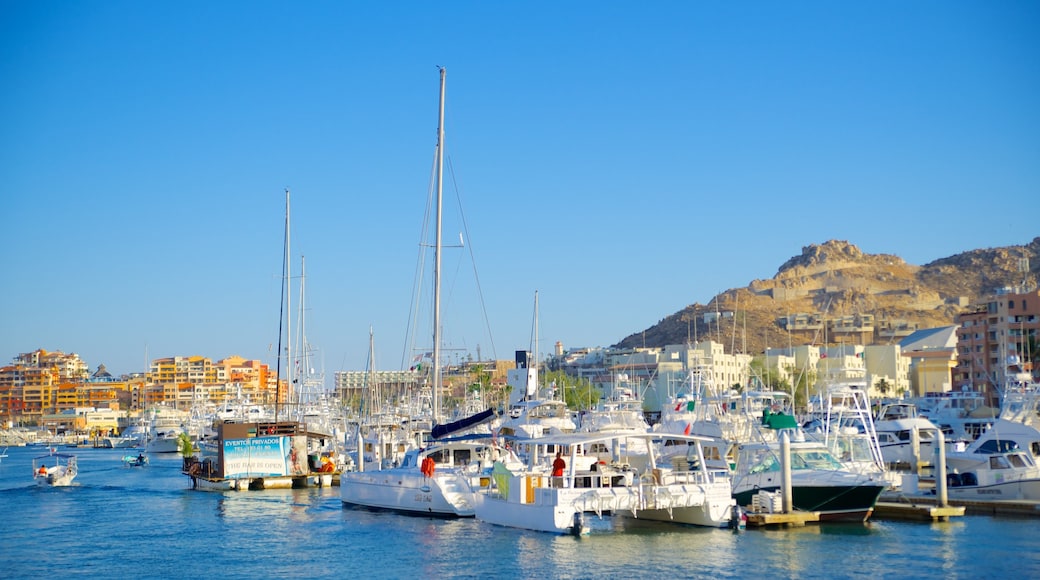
(558, 465)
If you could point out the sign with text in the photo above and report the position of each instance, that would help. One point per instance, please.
(256, 457)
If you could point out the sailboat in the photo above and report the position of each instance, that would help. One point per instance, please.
(438, 479)
(260, 453)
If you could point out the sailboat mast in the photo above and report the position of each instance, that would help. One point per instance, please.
(283, 312)
(291, 374)
(437, 258)
(304, 355)
(536, 338)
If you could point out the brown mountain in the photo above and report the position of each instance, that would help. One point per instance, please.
(835, 285)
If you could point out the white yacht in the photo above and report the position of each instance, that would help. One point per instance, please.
(597, 479)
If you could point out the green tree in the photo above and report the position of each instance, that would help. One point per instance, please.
(803, 387)
(184, 445)
(767, 379)
(883, 387)
(579, 394)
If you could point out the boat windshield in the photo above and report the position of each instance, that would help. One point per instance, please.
(1019, 460)
(801, 459)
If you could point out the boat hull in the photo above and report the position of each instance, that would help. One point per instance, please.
(55, 479)
(162, 445)
(549, 512)
(832, 502)
(714, 512)
(407, 491)
(1027, 489)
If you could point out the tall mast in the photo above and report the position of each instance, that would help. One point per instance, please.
(536, 335)
(302, 365)
(283, 310)
(290, 376)
(437, 258)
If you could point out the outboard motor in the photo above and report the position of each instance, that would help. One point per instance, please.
(578, 527)
(737, 518)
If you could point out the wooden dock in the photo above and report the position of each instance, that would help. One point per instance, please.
(793, 519)
(916, 511)
(992, 507)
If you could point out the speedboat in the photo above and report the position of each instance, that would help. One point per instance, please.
(139, 460)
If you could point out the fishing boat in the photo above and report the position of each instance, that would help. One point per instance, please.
(1012, 475)
(895, 424)
(55, 469)
(819, 481)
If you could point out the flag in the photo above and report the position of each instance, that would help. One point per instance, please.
(686, 431)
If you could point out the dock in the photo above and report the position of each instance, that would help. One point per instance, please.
(788, 520)
(991, 507)
(885, 510)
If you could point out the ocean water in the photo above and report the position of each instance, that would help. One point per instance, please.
(120, 522)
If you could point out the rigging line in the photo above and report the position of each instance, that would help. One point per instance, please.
(473, 259)
(414, 303)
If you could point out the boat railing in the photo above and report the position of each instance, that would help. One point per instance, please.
(694, 476)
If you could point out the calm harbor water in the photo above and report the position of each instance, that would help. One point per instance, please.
(120, 522)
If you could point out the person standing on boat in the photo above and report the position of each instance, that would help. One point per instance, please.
(557, 469)
(43, 471)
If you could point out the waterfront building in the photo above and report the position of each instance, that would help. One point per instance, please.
(932, 356)
(43, 384)
(888, 371)
(994, 341)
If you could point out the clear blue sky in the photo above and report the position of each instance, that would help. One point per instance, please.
(622, 159)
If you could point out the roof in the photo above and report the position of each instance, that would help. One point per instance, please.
(940, 338)
(569, 439)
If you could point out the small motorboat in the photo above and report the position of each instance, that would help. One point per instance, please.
(55, 469)
(139, 460)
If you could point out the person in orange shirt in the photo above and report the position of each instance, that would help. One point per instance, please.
(43, 471)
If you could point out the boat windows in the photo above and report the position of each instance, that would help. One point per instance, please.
(999, 462)
(768, 463)
(1019, 460)
(813, 459)
(997, 446)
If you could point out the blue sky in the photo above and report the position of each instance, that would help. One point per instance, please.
(622, 160)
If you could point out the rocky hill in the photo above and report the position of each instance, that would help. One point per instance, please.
(836, 280)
